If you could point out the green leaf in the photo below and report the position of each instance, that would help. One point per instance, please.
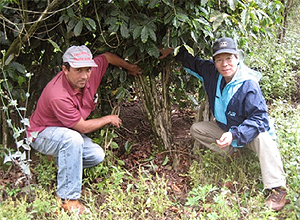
(19, 67)
(152, 4)
(152, 34)
(152, 50)
(127, 147)
(245, 17)
(219, 20)
(55, 45)
(232, 4)
(194, 36)
(203, 2)
(9, 59)
(114, 145)
(124, 31)
(208, 33)
(21, 80)
(64, 18)
(182, 17)
(137, 32)
(168, 2)
(120, 94)
(71, 24)
(130, 51)
(92, 23)
(165, 161)
(255, 29)
(78, 28)
(113, 28)
(89, 24)
(121, 162)
(169, 17)
(202, 21)
(144, 34)
(175, 23)
(70, 12)
(123, 76)
(189, 49)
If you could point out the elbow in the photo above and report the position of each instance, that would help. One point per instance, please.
(83, 130)
(108, 56)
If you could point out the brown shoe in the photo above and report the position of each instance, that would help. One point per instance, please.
(72, 206)
(276, 200)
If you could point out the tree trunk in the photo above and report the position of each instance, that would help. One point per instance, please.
(203, 114)
(156, 106)
(289, 7)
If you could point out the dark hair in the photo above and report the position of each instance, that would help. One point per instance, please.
(67, 65)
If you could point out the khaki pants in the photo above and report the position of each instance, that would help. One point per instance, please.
(207, 132)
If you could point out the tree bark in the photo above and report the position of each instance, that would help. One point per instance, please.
(156, 106)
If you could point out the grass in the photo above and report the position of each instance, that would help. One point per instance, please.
(218, 189)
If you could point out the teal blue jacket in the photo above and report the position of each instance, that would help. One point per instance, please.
(238, 106)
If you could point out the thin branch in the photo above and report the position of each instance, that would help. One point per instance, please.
(17, 44)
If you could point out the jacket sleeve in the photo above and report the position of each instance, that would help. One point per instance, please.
(195, 66)
(256, 117)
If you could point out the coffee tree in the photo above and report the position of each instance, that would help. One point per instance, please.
(35, 33)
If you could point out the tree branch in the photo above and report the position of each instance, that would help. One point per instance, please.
(18, 42)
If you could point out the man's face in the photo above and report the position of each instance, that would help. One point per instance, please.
(226, 64)
(77, 77)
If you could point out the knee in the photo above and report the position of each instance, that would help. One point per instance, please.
(194, 130)
(99, 155)
(73, 138)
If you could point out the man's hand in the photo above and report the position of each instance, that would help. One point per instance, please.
(165, 52)
(134, 70)
(115, 120)
(87, 126)
(115, 60)
(225, 140)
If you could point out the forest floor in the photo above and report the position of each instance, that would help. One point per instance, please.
(136, 130)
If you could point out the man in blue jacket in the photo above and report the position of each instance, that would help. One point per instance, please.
(240, 111)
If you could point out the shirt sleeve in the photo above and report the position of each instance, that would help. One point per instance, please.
(256, 117)
(98, 72)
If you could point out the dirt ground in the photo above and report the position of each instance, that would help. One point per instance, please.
(178, 160)
(137, 131)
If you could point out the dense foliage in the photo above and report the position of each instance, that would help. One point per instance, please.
(33, 36)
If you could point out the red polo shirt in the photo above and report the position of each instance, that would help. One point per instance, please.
(60, 105)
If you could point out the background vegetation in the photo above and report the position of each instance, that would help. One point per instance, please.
(34, 35)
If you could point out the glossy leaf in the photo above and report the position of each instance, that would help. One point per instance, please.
(152, 50)
(144, 34)
(124, 31)
(78, 28)
(54, 44)
(137, 32)
(232, 4)
(219, 20)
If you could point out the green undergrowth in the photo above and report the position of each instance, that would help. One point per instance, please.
(218, 188)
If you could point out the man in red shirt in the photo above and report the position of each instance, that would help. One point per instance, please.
(60, 120)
